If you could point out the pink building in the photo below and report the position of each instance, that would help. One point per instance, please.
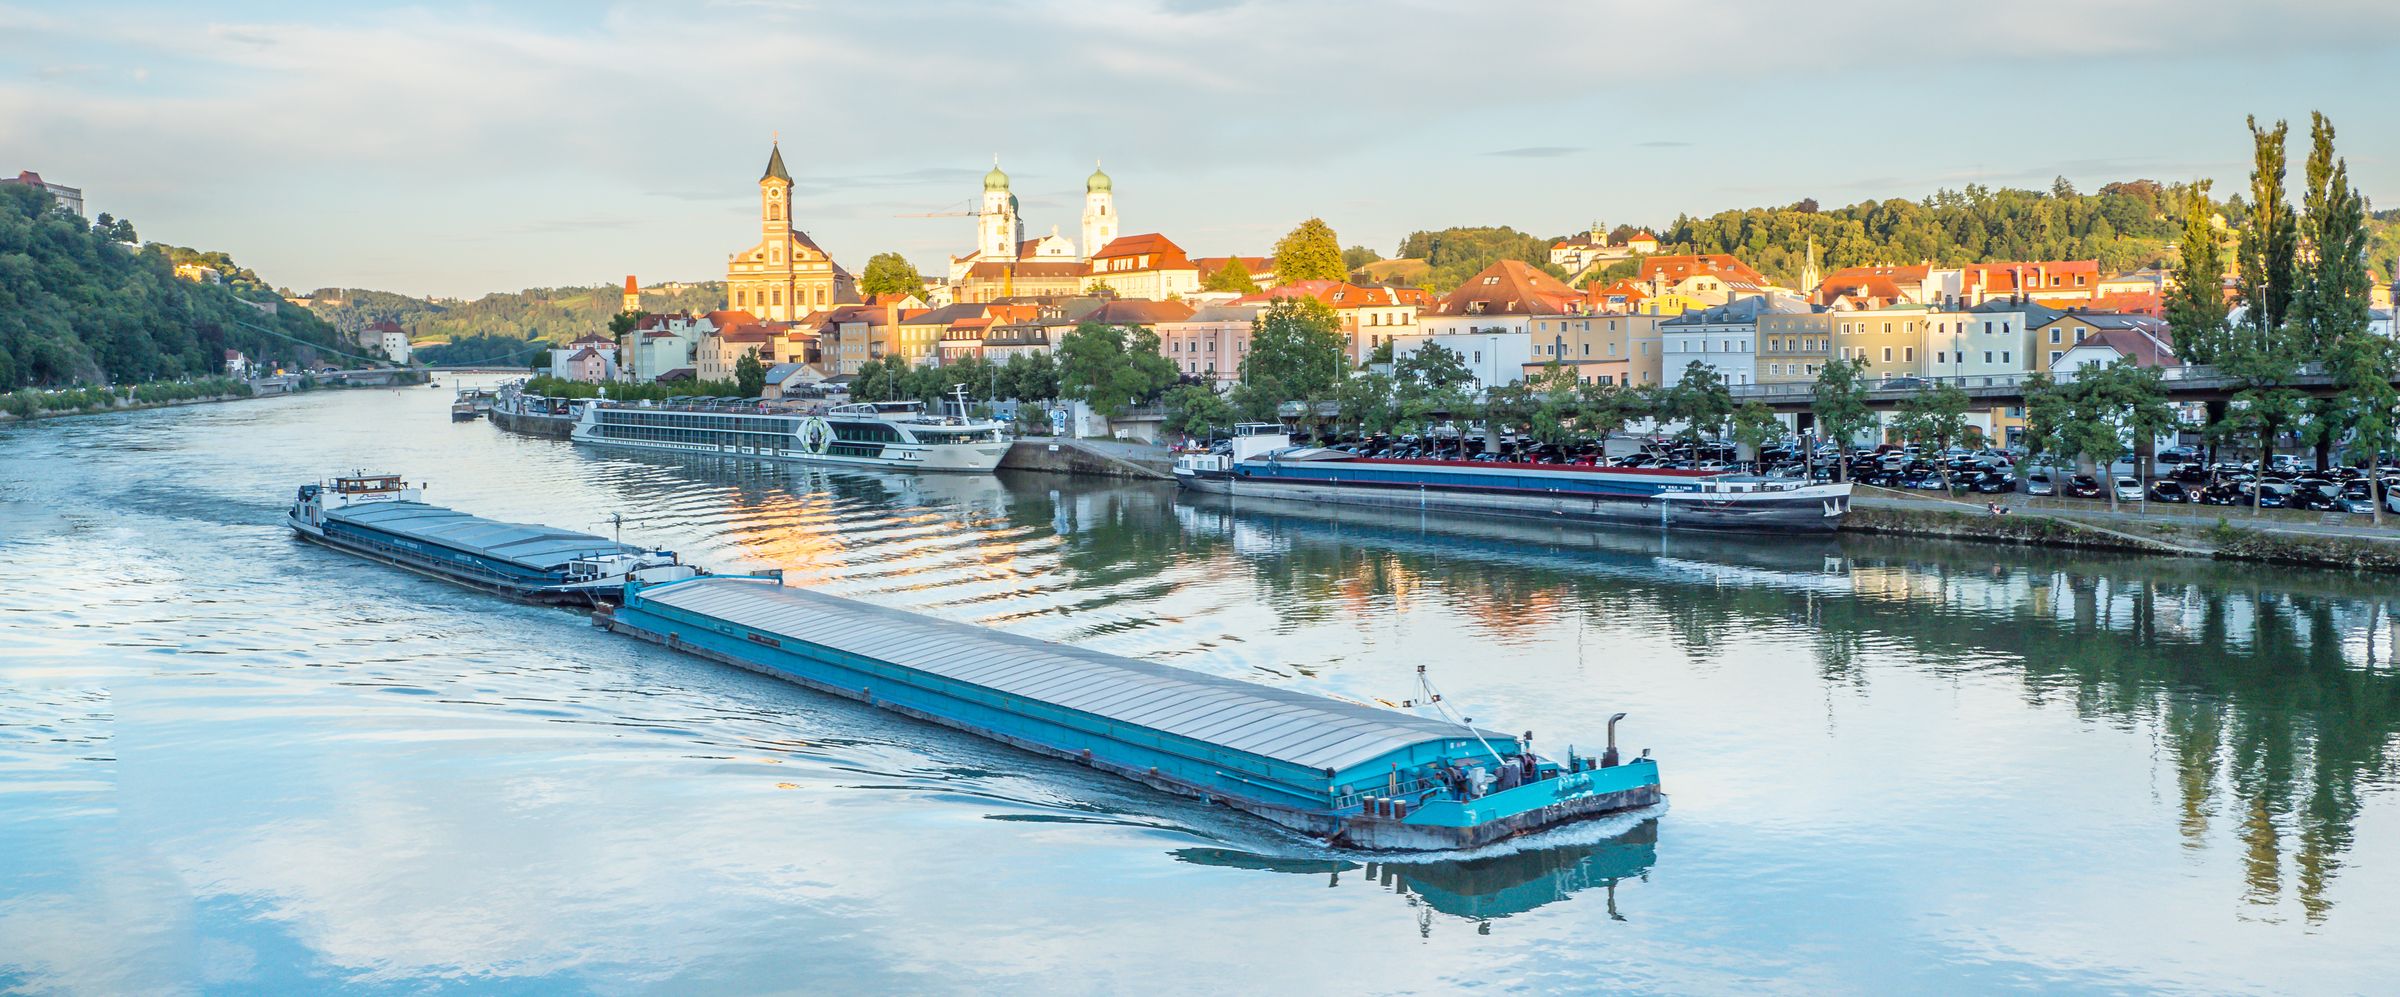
(1211, 343)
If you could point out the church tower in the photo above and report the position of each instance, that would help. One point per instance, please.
(775, 196)
(633, 296)
(1808, 273)
(1099, 212)
(785, 275)
(998, 230)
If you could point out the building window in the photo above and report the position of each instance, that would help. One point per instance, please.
(1887, 354)
(2057, 335)
(2004, 357)
(2054, 355)
(1941, 357)
(1909, 353)
(1987, 356)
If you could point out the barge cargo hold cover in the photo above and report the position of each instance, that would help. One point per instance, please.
(1354, 774)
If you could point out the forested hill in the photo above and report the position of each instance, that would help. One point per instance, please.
(78, 307)
(2124, 225)
(552, 313)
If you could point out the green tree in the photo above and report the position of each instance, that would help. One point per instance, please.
(1937, 417)
(2196, 306)
(2048, 409)
(1296, 354)
(890, 273)
(2363, 366)
(749, 375)
(1234, 276)
(1840, 405)
(1556, 401)
(1110, 368)
(1032, 377)
(1356, 257)
(1755, 426)
(1370, 401)
(1701, 401)
(1309, 252)
(1429, 384)
(1197, 410)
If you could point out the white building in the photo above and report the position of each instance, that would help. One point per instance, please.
(1724, 337)
(394, 344)
(1988, 340)
(70, 198)
(666, 343)
(1494, 356)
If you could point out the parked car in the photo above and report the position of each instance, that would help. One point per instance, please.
(2357, 499)
(2271, 495)
(2039, 483)
(1993, 483)
(2172, 491)
(2128, 489)
(2083, 486)
(2222, 494)
(1904, 382)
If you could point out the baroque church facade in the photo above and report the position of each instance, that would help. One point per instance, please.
(786, 275)
(1000, 243)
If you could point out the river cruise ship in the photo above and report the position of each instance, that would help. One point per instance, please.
(382, 518)
(864, 434)
(1264, 464)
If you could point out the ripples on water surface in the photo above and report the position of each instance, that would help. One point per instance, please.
(232, 762)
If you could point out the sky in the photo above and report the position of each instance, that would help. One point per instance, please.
(459, 149)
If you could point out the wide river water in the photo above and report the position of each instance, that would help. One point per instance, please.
(230, 761)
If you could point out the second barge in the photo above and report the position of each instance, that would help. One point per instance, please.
(1356, 775)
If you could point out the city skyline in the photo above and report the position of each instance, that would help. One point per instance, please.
(459, 150)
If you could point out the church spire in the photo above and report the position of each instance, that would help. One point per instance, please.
(775, 170)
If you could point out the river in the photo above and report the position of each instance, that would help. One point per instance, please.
(233, 762)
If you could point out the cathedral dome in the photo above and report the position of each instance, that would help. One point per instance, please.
(1097, 183)
(995, 180)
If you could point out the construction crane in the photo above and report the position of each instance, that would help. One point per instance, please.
(941, 214)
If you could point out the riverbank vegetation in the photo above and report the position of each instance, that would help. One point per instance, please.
(26, 403)
(79, 308)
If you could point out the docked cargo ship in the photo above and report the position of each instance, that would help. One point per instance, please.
(1264, 464)
(1355, 775)
(382, 518)
(877, 434)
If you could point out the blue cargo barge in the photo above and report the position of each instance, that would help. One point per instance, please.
(1356, 775)
(382, 518)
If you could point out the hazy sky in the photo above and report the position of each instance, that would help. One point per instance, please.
(464, 148)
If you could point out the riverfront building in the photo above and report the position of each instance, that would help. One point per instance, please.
(785, 275)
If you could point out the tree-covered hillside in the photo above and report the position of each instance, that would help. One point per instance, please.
(553, 313)
(77, 307)
(2126, 225)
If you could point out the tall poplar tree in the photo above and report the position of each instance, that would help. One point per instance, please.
(2196, 306)
(2260, 351)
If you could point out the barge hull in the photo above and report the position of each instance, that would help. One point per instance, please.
(537, 596)
(1793, 515)
(872, 661)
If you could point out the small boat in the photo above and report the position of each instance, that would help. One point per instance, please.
(462, 410)
(1353, 774)
(382, 518)
(1263, 463)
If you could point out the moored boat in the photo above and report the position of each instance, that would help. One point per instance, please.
(868, 434)
(1353, 774)
(1264, 464)
(382, 518)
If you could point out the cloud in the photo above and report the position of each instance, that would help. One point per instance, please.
(1663, 143)
(1537, 151)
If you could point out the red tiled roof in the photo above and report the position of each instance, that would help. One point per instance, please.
(384, 326)
(1212, 264)
(2146, 343)
(1139, 311)
(1514, 288)
(1719, 265)
(1163, 252)
(586, 353)
(731, 319)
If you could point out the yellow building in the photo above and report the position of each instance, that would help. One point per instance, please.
(1891, 340)
(1793, 348)
(785, 276)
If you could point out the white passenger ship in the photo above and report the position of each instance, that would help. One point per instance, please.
(863, 434)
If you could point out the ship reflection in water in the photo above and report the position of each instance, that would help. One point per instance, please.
(1477, 889)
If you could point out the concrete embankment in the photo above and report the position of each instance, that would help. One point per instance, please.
(2355, 549)
(1099, 458)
